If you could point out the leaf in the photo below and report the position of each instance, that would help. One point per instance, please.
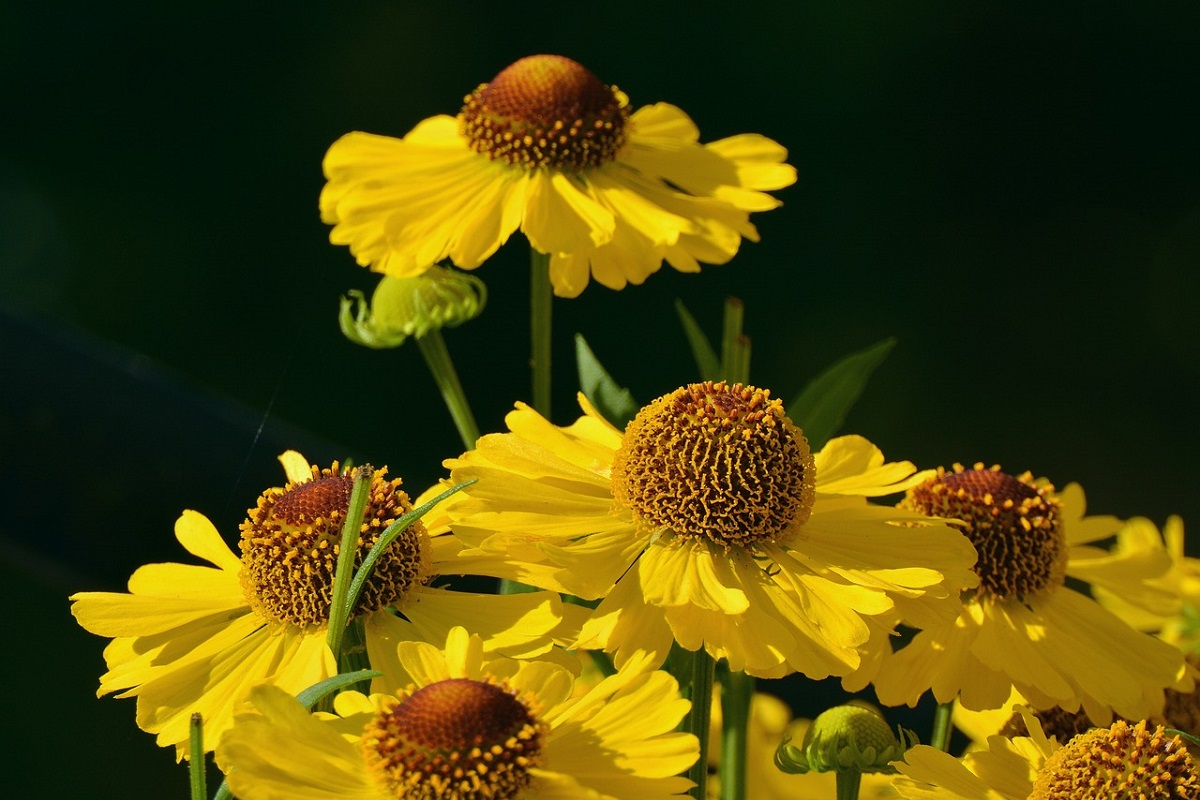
(310, 696)
(706, 358)
(612, 400)
(389, 535)
(822, 407)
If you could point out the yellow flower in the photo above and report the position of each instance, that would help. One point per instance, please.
(190, 638)
(1121, 761)
(1170, 605)
(708, 523)
(466, 727)
(1024, 626)
(546, 148)
(1178, 709)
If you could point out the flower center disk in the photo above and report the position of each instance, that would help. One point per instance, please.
(290, 544)
(1119, 762)
(716, 462)
(546, 111)
(456, 739)
(1013, 524)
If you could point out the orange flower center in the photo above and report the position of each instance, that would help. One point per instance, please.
(1118, 762)
(546, 111)
(718, 462)
(1013, 524)
(290, 544)
(457, 739)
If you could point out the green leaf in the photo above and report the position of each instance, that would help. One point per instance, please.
(822, 407)
(310, 696)
(706, 358)
(612, 400)
(385, 541)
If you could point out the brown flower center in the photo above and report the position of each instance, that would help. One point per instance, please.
(1013, 524)
(290, 544)
(457, 739)
(546, 111)
(1119, 763)
(718, 462)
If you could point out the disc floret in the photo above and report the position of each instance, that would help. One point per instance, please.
(1014, 523)
(717, 462)
(457, 739)
(1123, 761)
(546, 111)
(291, 539)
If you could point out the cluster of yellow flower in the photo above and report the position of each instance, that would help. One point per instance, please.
(703, 532)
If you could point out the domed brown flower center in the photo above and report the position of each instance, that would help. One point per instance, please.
(290, 545)
(457, 739)
(1119, 763)
(718, 462)
(546, 111)
(1013, 524)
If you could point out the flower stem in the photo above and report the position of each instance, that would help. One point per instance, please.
(940, 738)
(540, 299)
(694, 671)
(735, 345)
(737, 692)
(848, 784)
(196, 764)
(437, 358)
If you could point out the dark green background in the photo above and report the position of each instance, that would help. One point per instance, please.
(1010, 190)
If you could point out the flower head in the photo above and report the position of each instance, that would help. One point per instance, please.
(411, 307)
(547, 148)
(1170, 605)
(1178, 709)
(707, 522)
(195, 638)
(1119, 761)
(465, 727)
(845, 738)
(1024, 626)
(770, 720)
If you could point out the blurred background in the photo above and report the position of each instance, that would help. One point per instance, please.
(1011, 190)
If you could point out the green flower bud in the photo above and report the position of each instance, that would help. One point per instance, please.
(438, 298)
(849, 738)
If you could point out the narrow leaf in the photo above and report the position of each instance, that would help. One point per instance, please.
(822, 407)
(385, 541)
(309, 697)
(611, 399)
(706, 358)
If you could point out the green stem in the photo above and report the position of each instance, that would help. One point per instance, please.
(196, 763)
(437, 358)
(540, 299)
(737, 693)
(940, 738)
(694, 671)
(735, 345)
(847, 785)
(344, 574)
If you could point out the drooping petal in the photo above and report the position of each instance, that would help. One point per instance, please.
(320, 764)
